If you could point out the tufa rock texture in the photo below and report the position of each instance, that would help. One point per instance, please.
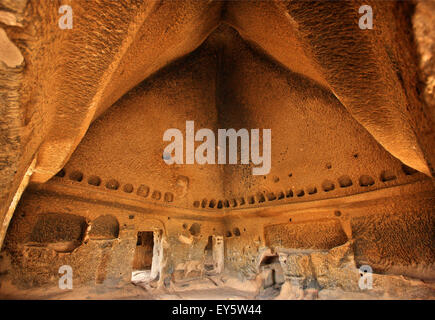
(83, 181)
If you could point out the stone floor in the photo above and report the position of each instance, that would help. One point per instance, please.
(210, 288)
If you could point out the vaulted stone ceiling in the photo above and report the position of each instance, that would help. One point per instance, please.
(342, 103)
(318, 149)
(351, 112)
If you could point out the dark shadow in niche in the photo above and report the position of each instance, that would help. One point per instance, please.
(195, 229)
(104, 228)
(236, 232)
(408, 170)
(260, 197)
(143, 191)
(212, 203)
(204, 203)
(61, 173)
(328, 185)
(76, 176)
(61, 232)
(112, 184)
(208, 254)
(128, 188)
(270, 265)
(311, 190)
(387, 175)
(156, 195)
(366, 181)
(300, 193)
(169, 197)
(143, 255)
(233, 203)
(344, 181)
(94, 181)
(271, 196)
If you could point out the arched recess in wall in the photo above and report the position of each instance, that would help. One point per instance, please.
(148, 256)
(150, 225)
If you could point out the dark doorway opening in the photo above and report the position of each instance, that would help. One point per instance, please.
(208, 252)
(272, 274)
(143, 256)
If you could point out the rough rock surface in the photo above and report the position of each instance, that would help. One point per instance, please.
(83, 112)
(104, 227)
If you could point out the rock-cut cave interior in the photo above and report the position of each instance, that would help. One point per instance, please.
(88, 91)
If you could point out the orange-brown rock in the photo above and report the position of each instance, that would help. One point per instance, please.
(83, 177)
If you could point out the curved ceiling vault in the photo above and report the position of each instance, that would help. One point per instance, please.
(372, 82)
(84, 114)
(318, 149)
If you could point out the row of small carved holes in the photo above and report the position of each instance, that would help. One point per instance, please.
(113, 184)
(327, 185)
